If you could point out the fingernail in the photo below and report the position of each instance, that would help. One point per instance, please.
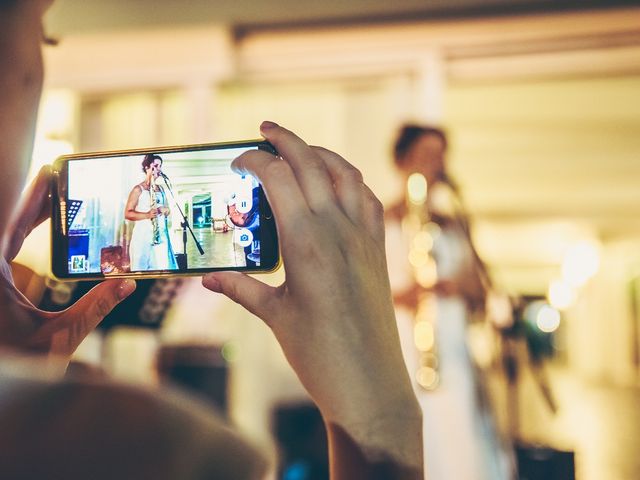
(126, 288)
(266, 125)
(211, 282)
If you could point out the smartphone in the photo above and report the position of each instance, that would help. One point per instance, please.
(160, 212)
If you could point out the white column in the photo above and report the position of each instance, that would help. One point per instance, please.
(430, 88)
(199, 96)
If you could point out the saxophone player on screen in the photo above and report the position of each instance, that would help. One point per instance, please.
(148, 206)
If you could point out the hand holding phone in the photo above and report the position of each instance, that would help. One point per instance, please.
(24, 326)
(333, 316)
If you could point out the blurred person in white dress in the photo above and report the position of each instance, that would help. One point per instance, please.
(439, 285)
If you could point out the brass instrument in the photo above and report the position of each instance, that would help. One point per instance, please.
(154, 208)
(422, 232)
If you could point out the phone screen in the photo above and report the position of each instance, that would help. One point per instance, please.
(163, 211)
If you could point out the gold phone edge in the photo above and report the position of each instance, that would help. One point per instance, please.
(165, 149)
(152, 276)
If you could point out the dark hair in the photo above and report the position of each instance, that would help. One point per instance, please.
(409, 134)
(149, 158)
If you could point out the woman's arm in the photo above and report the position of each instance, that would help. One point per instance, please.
(333, 316)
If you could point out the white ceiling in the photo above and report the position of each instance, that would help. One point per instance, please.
(551, 149)
(72, 16)
(546, 164)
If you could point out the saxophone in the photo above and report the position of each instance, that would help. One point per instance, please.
(153, 207)
(422, 233)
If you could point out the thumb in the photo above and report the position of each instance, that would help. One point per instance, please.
(252, 294)
(101, 299)
(33, 209)
(83, 317)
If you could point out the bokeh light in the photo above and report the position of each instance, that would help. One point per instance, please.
(417, 188)
(548, 319)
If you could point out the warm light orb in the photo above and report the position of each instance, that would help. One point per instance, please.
(423, 336)
(560, 295)
(427, 377)
(423, 241)
(418, 258)
(548, 319)
(427, 309)
(427, 274)
(417, 188)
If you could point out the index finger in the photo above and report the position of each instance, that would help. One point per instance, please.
(280, 185)
(34, 208)
(309, 169)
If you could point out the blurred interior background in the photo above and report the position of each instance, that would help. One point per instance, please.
(541, 103)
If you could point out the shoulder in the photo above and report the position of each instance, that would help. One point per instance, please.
(138, 189)
(161, 421)
(135, 193)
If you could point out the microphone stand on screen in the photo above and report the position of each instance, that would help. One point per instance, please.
(182, 258)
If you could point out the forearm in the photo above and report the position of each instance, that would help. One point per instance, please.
(21, 75)
(387, 448)
(375, 414)
(136, 216)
